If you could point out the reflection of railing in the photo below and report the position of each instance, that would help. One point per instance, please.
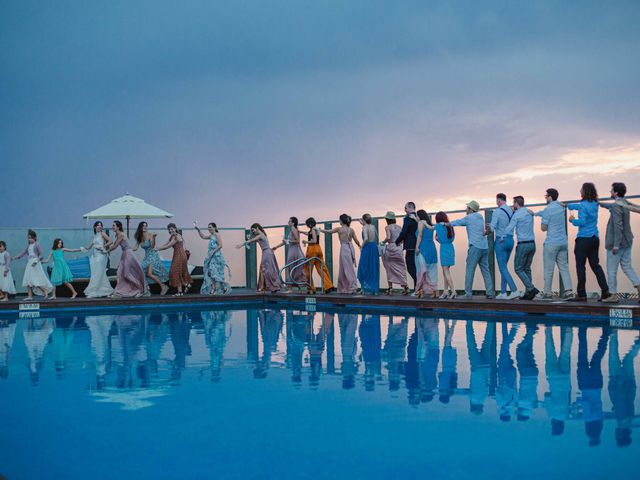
(300, 262)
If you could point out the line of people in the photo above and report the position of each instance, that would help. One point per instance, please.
(132, 277)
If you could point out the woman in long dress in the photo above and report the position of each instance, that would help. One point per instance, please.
(347, 281)
(34, 276)
(426, 258)
(445, 235)
(179, 277)
(369, 267)
(315, 251)
(151, 264)
(214, 266)
(130, 278)
(393, 256)
(99, 285)
(7, 286)
(61, 274)
(269, 276)
(295, 275)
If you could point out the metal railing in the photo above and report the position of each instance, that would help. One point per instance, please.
(298, 263)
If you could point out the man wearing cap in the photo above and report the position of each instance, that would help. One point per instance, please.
(478, 253)
(408, 238)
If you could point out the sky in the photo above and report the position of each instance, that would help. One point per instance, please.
(240, 111)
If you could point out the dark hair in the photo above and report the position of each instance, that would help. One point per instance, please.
(118, 224)
(423, 215)
(213, 224)
(139, 233)
(310, 222)
(502, 197)
(367, 218)
(55, 244)
(258, 227)
(346, 219)
(411, 205)
(172, 225)
(95, 225)
(442, 217)
(620, 188)
(390, 221)
(519, 200)
(2, 244)
(553, 193)
(589, 192)
(32, 234)
(294, 220)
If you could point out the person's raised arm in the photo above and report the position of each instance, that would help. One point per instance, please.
(22, 254)
(116, 243)
(170, 243)
(71, 250)
(632, 207)
(107, 240)
(251, 240)
(48, 259)
(508, 230)
(202, 235)
(404, 232)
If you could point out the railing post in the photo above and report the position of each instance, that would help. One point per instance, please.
(251, 263)
(492, 253)
(287, 230)
(328, 250)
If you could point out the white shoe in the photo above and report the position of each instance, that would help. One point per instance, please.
(513, 295)
(501, 296)
(445, 294)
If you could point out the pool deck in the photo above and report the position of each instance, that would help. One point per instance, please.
(591, 310)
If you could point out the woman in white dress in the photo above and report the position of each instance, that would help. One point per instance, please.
(34, 276)
(99, 285)
(7, 286)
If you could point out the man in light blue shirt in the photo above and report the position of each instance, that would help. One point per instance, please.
(478, 253)
(522, 223)
(556, 245)
(500, 218)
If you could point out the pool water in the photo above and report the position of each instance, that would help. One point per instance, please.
(280, 393)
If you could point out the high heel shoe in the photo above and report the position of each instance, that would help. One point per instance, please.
(405, 291)
(453, 295)
(445, 294)
(388, 291)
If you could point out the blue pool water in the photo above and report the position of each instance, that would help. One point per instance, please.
(270, 393)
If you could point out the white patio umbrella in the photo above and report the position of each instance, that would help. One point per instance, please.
(128, 207)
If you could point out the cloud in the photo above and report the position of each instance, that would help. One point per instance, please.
(585, 161)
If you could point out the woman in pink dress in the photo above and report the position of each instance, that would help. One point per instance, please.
(393, 258)
(179, 277)
(295, 276)
(269, 277)
(130, 277)
(347, 281)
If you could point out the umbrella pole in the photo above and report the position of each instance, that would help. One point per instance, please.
(128, 220)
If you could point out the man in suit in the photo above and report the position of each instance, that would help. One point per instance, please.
(619, 239)
(408, 238)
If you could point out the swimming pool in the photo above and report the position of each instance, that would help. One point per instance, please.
(342, 393)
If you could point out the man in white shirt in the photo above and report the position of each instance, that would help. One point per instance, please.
(478, 253)
(522, 223)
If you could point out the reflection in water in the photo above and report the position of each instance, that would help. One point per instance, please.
(137, 359)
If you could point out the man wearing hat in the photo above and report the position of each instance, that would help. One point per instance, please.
(478, 253)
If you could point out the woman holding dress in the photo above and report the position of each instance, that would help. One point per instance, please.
(445, 236)
(213, 281)
(269, 276)
(347, 281)
(151, 264)
(7, 287)
(369, 267)
(34, 276)
(426, 258)
(99, 285)
(61, 273)
(393, 256)
(295, 274)
(179, 277)
(130, 277)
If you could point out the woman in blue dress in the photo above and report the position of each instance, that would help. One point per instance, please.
(426, 258)
(369, 266)
(214, 281)
(61, 273)
(445, 236)
(151, 264)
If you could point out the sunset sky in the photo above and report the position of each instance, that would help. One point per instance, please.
(242, 111)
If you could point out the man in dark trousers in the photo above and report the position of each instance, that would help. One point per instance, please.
(408, 238)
